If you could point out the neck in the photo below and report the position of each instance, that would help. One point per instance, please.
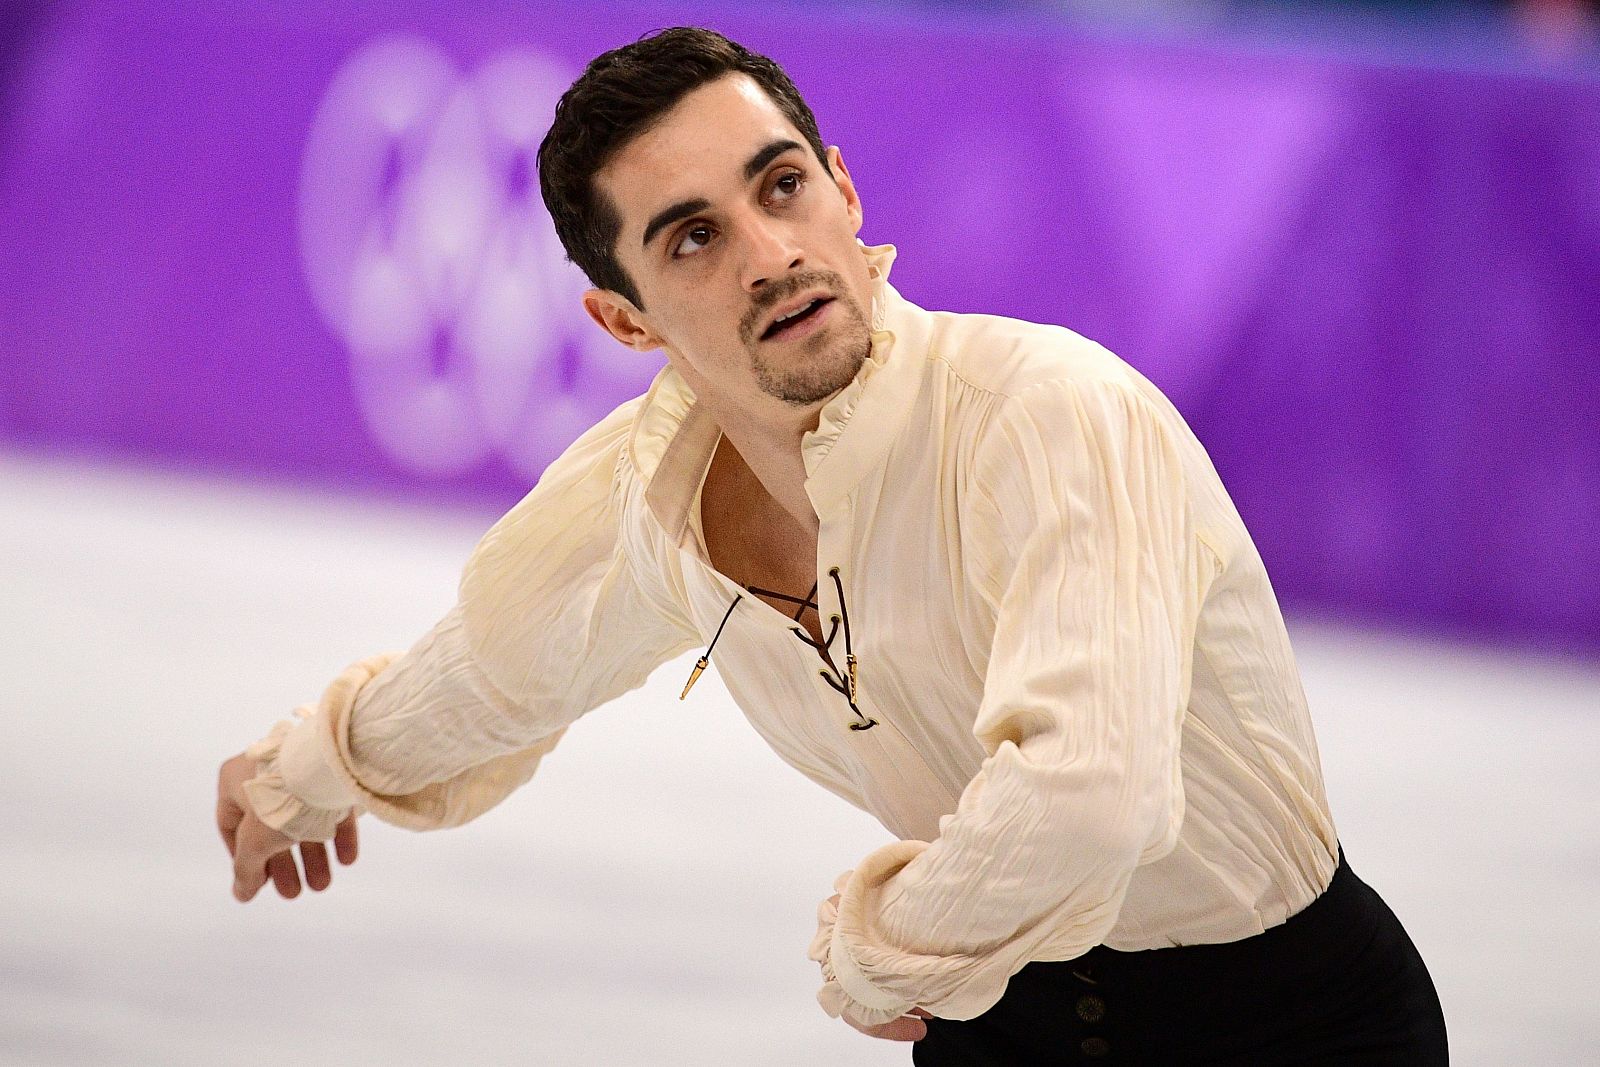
(765, 444)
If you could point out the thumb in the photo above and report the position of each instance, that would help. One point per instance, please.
(255, 847)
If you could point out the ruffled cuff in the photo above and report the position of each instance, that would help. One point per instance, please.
(846, 991)
(271, 798)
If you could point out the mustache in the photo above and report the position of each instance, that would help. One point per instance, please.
(772, 295)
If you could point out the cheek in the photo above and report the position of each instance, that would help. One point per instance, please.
(701, 324)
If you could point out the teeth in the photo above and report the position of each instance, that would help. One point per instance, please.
(792, 314)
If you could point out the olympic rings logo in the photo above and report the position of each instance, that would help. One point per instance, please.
(428, 250)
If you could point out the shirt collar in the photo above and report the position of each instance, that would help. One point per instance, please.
(673, 436)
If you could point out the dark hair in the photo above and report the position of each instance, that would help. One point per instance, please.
(620, 95)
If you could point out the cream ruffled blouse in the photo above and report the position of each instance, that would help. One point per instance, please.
(1072, 696)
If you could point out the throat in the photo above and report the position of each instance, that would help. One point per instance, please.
(762, 476)
(754, 542)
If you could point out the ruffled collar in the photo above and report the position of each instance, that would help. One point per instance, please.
(673, 436)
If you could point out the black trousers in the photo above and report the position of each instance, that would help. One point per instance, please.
(1340, 984)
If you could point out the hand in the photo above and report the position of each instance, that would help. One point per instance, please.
(906, 1028)
(259, 851)
(909, 1027)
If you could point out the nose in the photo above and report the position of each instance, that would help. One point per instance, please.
(770, 253)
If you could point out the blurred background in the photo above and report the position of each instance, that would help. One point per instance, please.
(284, 327)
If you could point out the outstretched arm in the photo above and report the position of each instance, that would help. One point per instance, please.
(551, 620)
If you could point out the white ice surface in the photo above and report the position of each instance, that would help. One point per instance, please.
(648, 898)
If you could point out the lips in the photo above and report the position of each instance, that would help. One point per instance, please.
(794, 312)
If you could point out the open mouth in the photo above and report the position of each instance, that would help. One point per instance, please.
(795, 318)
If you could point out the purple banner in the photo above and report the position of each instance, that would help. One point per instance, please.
(307, 242)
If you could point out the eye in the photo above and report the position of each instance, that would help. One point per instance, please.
(789, 185)
(694, 238)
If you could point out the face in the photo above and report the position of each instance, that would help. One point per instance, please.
(729, 223)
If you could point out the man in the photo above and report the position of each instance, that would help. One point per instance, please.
(972, 574)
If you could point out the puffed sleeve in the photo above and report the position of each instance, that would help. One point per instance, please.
(1084, 525)
(551, 620)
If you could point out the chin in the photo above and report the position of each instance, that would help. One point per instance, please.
(819, 377)
(821, 367)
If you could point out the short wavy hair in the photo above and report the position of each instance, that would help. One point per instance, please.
(620, 95)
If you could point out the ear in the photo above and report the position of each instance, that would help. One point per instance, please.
(847, 187)
(617, 316)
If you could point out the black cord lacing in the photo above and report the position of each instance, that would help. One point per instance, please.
(846, 685)
(849, 653)
(705, 660)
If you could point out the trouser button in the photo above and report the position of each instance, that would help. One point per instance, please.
(1091, 1009)
(1095, 1047)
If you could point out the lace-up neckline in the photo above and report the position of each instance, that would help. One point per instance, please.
(846, 684)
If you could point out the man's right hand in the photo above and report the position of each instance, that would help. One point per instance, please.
(260, 852)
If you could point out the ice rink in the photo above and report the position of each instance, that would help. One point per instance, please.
(648, 898)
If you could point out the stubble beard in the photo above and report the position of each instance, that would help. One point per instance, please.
(827, 361)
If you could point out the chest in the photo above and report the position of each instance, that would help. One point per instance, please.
(757, 545)
(884, 720)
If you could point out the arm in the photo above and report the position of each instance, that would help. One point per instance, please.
(1084, 537)
(551, 620)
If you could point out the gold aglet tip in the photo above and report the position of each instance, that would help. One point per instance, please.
(694, 676)
(850, 661)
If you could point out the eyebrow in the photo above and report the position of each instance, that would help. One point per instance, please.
(684, 208)
(667, 216)
(759, 161)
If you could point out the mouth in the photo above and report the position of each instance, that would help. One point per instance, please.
(797, 320)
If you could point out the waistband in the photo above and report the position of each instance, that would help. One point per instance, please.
(1341, 917)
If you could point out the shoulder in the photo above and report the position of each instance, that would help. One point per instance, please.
(1008, 357)
(1040, 380)
(1045, 392)
(570, 511)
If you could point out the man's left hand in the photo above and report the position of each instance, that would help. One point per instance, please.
(906, 1028)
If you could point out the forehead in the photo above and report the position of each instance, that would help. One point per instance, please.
(698, 149)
